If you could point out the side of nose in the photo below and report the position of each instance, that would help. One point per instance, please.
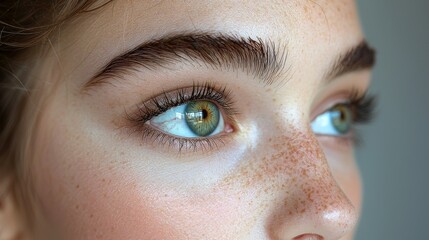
(312, 206)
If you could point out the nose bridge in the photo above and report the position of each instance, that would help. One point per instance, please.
(312, 202)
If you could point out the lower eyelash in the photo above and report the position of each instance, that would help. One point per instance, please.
(159, 138)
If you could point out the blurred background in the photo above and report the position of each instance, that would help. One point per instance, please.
(394, 158)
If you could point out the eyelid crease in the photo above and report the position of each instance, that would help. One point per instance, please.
(363, 105)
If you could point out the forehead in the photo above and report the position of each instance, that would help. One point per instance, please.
(305, 26)
(323, 17)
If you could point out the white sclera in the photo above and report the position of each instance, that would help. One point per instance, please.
(323, 124)
(173, 122)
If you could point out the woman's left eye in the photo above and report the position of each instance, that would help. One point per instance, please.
(195, 119)
(337, 121)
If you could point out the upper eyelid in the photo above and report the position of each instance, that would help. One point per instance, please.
(364, 106)
(343, 97)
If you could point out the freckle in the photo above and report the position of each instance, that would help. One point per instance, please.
(77, 206)
(77, 186)
(91, 216)
(266, 190)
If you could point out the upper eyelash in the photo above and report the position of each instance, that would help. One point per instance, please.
(363, 106)
(169, 99)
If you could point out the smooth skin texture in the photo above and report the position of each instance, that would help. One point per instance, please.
(94, 178)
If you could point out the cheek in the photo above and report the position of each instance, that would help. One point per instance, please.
(350, 183)
(86, 192)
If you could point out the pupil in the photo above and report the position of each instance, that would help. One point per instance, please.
(342, 115)
(205, 113)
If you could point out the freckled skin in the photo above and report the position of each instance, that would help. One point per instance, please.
(272, 179)
(296, 167)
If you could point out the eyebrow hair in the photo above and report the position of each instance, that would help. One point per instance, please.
(263, 59)
(357, 58)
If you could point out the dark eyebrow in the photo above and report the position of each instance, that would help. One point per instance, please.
(357, 58)
(263, 59)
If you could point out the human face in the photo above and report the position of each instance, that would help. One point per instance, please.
(108, 164)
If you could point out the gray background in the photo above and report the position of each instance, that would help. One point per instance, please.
(394, 157)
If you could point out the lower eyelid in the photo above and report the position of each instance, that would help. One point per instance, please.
(156, 139)
(347, 140)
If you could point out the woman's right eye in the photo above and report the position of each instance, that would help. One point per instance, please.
(194, 119)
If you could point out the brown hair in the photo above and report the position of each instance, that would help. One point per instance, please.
(25, 26)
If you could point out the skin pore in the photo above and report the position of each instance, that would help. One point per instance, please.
(96, 175)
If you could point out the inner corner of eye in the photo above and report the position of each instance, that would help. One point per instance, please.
(228, 128)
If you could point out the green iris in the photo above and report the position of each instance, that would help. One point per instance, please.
(202, 117)
(341, 118)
